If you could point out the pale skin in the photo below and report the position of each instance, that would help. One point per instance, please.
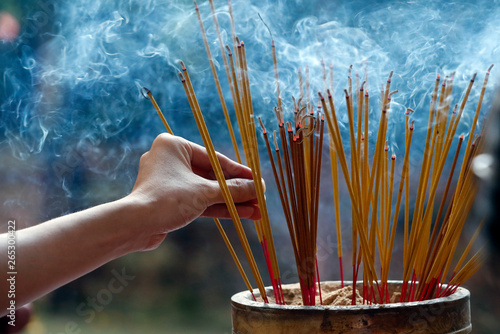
(174, 186)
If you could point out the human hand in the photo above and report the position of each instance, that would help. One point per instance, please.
(177, 183)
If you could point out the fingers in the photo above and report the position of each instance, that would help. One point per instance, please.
(239, 178)
(247, 211)
(232, 169)
(201, 164)
(242, 190)
(263, 184)
(243, 195)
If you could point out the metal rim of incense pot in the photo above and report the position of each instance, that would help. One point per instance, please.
(440, 315)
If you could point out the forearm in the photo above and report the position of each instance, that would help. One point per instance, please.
(173, 187)
(54, 253)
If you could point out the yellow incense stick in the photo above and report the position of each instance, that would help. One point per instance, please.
(217, 222)
(220, 178)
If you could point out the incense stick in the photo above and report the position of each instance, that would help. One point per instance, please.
(217, 222)
(216, 78)
(220, 178)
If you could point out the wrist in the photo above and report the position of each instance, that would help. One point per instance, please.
(144, 224)
(133, 213)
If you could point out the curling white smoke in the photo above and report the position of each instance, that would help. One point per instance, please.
(70, 97)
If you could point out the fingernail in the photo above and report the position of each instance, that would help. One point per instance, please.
(263, 184)
(251, 210)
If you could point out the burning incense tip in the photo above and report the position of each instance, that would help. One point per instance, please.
(145, 92)
(489, 68)
(390, 77)
(275, 141)
(196, 5)
(268, 29)
(183, 66)
(393, 156)
(182, 77)
(262, 125)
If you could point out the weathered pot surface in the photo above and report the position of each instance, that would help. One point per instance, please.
(436, 316)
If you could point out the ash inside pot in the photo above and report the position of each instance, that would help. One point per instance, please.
(332, 294)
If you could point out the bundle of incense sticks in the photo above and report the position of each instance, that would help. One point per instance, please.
(148, 95)
(430, 243)
(298, 182)
(237, 76)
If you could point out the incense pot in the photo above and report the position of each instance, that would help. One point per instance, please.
(441, 315)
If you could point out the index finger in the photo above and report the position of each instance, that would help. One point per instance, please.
(230, 168)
